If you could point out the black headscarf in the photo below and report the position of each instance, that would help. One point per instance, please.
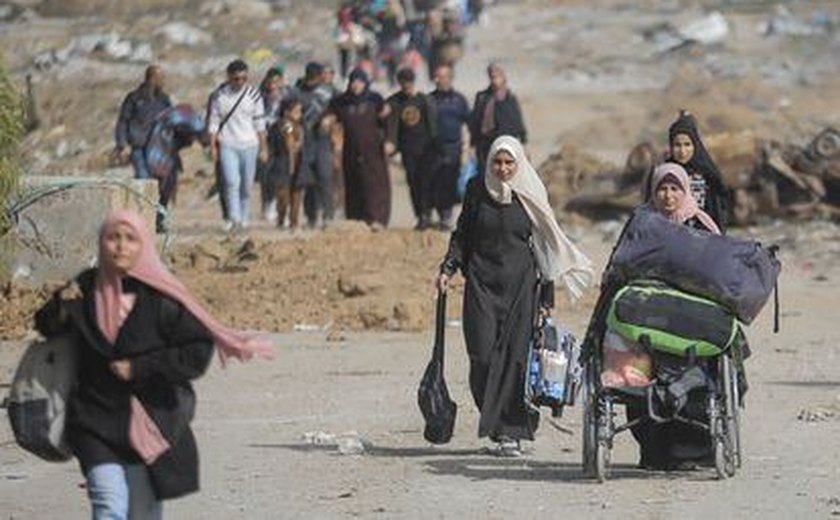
(701, 163)
(358, 75)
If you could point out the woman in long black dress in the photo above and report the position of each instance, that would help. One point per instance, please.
(367, 187)
(510, 249)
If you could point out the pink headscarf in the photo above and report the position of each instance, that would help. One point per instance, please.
(688, 208)
(112, 306)
(151, 271)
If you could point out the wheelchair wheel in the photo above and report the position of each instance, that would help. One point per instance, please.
(590, 423)
(725, 427)
(602, 461)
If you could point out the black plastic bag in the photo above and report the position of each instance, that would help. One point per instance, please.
(438, 408)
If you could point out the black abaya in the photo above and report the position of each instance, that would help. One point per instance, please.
(491, 246)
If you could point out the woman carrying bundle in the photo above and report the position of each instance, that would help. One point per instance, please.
(510, 249)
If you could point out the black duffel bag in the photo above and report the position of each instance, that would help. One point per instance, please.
(438, 408)
(737, 273)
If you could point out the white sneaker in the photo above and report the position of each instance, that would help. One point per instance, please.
(509, 448)
(270, 214)
(228, 225)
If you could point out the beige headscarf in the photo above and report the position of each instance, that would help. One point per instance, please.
(557, 257)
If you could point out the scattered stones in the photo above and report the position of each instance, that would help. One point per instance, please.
(361, 284)
(816, 414)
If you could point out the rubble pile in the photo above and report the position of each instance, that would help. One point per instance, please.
(766, 178)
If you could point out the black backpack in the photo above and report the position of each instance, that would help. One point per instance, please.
(438, 408)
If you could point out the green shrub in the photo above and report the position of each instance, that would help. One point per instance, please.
(11, 130)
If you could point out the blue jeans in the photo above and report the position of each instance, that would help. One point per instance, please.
(122, 492)
(138, 160)
(239, 166)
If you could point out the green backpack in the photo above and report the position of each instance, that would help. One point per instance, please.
(673, 321)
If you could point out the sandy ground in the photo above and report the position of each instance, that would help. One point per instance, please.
(580, 79)
(255, 463)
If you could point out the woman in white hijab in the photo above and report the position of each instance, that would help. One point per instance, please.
(510, 249)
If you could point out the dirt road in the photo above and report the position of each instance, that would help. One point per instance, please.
(252, 420)
(577, 80)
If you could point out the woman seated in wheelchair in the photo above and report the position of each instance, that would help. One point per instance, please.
(665, 382)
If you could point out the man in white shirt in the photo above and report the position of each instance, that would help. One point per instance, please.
(237, 135)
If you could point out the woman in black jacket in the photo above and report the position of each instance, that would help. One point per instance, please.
(141, 339)
(510, 249)
(496, 112)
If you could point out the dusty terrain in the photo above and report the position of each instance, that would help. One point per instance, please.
(351, 308)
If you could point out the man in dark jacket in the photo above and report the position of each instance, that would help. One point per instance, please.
(496, 112)
(137, 114)
(412, 131)
(453, 113)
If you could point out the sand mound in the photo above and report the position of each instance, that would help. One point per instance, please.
(346, 278)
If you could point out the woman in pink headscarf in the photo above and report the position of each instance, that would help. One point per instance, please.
(141, 339)
(672, 197)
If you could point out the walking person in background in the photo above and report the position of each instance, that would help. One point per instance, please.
(317, 151)
(237, 138)
(174, 129)
(495, 112)
(453, 114)
(141, 338)
(510, 249)
(273, 89)
(137, 114)
(367, 187)
(686, 148)
(286, 139)
(412, 131)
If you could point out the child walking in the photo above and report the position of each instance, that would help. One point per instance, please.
(286, 143)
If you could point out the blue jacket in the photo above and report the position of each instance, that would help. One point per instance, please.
(453, 112)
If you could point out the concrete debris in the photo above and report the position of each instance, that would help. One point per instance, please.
(765, 178)
(9, 12)
(109, 46)
(281, 24)
(785, 23)
(709, 30)
(347, 443)
(253, 9)
(182, 33)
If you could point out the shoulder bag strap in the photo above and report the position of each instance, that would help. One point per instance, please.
(232, 110)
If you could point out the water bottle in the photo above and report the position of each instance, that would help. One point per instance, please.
(554, 372)
(534, 379)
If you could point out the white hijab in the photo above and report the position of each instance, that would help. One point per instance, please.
(557, 257)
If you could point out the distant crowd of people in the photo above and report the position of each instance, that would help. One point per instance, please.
(383, 36)
(317, 149)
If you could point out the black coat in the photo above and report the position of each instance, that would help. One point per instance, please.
(492, 247)
(167, 347)
(508, 117)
